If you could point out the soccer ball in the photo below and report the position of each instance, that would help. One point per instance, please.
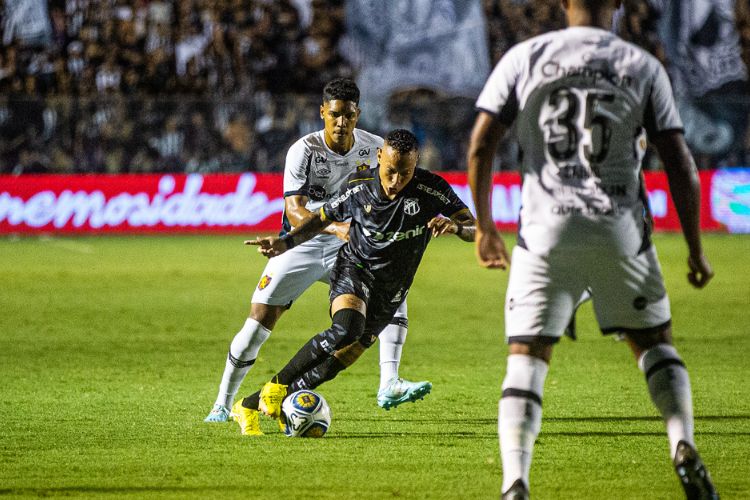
(306, 414)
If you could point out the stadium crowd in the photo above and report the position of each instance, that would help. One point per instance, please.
(212, 86)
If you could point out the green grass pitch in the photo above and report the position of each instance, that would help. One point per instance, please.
(111, 350)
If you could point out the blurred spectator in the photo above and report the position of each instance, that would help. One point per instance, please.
(239, 137)
(228, 85)
(170, 144)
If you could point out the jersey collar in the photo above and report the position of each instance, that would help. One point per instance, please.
(331, 151)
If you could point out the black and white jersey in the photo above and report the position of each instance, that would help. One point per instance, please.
(389, 237)
(315, 171)
(581, 99)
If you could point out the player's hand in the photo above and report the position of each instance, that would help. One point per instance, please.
(700, 271)
(490, 250)
(442, 225)
(270, 246)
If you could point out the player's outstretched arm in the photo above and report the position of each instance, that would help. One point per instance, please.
(684, 186)
(295, 208)
(485, 136)
(271, 246)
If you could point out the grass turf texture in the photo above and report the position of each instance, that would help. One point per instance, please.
(111, 350)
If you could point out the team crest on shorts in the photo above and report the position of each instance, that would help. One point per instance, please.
(368, 208)
(411, 206)
(264, 282)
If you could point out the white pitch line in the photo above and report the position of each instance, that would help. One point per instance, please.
(72, 246)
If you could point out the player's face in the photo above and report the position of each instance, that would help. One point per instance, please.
(396, 169)
(340, 118)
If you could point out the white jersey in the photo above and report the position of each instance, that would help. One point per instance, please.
(581, 99)
(315, 171)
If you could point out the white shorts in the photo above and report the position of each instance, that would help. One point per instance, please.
(628, 292)
(287, 276)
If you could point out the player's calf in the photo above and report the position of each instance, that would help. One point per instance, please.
(347, 326)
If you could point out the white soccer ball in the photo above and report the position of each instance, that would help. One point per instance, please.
(306, 414)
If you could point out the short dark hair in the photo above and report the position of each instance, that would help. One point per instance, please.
(401, 140)
(341, 89)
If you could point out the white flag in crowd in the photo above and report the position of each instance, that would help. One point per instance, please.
(405, 44)
(702, 44)
(26, 21)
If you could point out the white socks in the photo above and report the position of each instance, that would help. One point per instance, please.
(391, 340)
(242, 353)
(520, 415)
(669, 386)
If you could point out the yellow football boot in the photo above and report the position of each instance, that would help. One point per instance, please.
(247, 418)
(271, 397)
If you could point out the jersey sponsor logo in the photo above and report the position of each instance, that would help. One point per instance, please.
(585, 210)
(552, 69)
(316, 193)
(341, 199)
(321, 167)
(392, 236)
(434, 192)
(364, 152)
(322, 170)
(264, 282)
(411, 206)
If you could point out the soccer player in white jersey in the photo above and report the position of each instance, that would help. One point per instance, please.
(580, 98)
(316, 167)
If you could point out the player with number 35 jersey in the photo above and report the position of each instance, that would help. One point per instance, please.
(586, 97)
(583, 103)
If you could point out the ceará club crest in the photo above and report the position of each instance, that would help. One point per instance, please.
(411, 206)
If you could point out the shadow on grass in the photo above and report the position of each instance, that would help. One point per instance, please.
(68, 490)
(642, 418)
(409, 434)
(493, 420)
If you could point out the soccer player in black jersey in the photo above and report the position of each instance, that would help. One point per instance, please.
(395, 209)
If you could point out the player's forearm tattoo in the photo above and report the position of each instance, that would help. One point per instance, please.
(466, 228)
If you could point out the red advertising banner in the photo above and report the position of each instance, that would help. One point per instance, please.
(140, 203)
(254, 202)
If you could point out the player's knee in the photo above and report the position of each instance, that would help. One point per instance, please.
(266, 314)
(642, 341)
(538, 348)
(348, 325)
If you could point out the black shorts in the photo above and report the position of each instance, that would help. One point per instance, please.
(381, 296)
